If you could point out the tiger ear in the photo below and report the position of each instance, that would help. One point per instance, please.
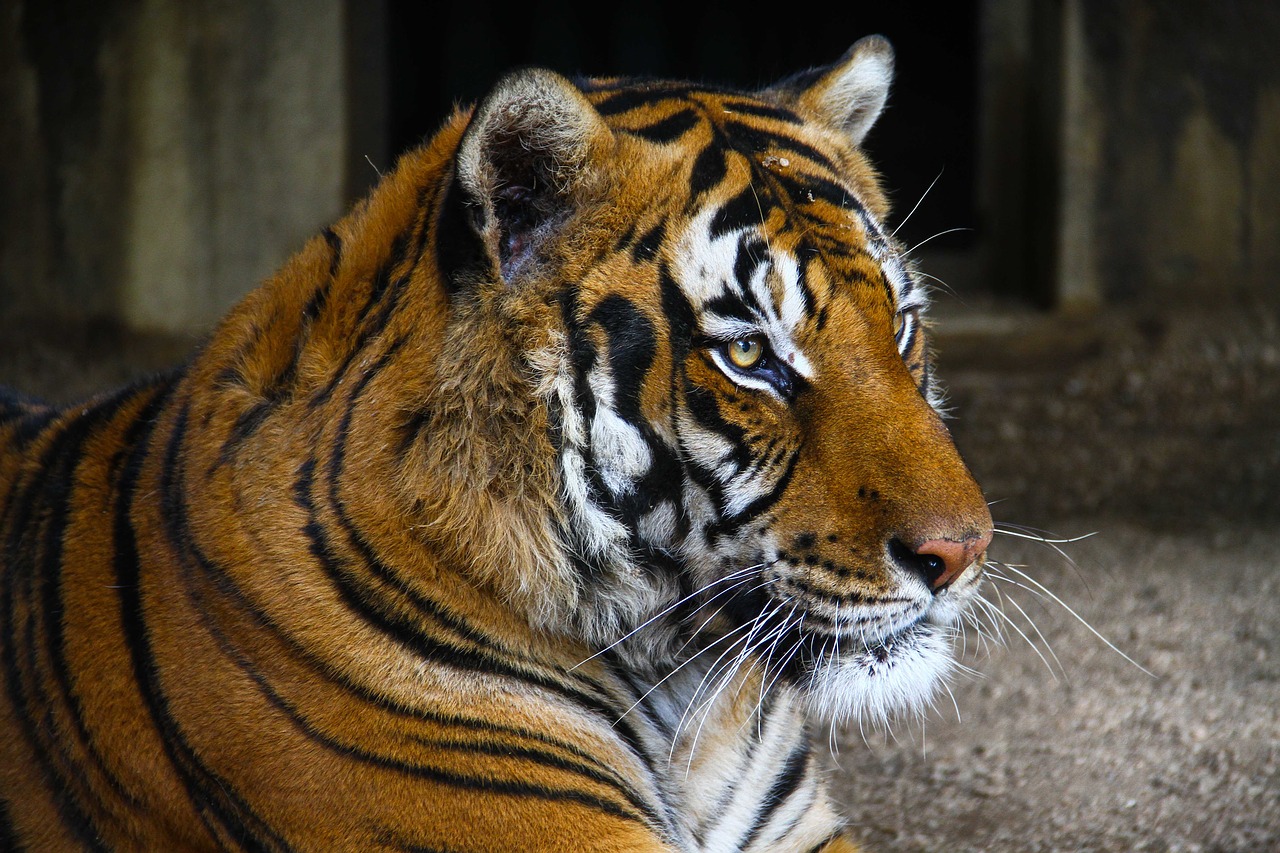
(851, 94)
(525, 161)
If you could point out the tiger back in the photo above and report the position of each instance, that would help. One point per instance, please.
(540, 503)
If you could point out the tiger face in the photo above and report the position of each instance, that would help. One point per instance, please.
(730, 356)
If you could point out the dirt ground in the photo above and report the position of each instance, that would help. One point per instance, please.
(1159, 433)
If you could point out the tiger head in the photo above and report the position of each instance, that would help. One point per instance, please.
(695, 370)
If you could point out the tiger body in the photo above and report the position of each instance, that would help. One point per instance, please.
(538, 504)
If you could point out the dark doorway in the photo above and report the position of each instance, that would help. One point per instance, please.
(440, 55)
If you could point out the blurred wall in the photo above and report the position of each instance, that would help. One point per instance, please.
(1184, 97)
(1130, 150)
(162, 157)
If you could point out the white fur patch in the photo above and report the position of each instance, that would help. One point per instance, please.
(621, 453)
(860, 684)
(706, 272)
(855, 94)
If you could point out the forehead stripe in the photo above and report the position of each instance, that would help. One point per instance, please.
(708, 171)
(668, 129)
(760, 140)
(745, 210)
(752, 252)
(762, 111)
(806, 189)
(630, 99)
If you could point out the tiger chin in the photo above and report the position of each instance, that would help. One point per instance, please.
(537, 504)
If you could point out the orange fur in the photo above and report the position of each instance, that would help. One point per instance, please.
(341, 583)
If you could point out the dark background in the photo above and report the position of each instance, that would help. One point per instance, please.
(928, 130)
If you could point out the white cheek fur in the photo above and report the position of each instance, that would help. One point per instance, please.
(860, 685)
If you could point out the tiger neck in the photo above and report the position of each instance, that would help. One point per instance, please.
(733, 755)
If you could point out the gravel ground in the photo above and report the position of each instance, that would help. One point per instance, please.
(1159, 432)
(1160, 435)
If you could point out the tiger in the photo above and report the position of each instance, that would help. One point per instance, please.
(548, 500)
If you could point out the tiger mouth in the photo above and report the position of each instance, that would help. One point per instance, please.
(852, 649)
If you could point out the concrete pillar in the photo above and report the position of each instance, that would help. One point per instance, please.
(237, 113)
(1077, 288)
(163, 157)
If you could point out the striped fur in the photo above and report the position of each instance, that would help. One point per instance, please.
(473, 529)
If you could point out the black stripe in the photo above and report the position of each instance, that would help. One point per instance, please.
(36, 518)
(704, 405)
(805, 189)
(755, 139)
(221, 809)
(709, 169)
(642, 94)
(460, 251)
(229, 591)
(632, 347)
(404, 631)
(761, 110)
(763, 503)
(245, 426)
(751, 253)
(680, 317)
(646, 248)
(745, 210)
(633, 344)
(447, 777)
(371, 326)
(734, 306)
(31, 423)
(57, 520)
(784, 785)
(668, 129)
(335, 246)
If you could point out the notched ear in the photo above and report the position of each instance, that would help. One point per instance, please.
(851, 94)
(525, 163)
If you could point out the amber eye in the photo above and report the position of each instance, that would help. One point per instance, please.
(745, 353)
(898, 322)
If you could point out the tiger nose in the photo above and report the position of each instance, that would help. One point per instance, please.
(943, 560)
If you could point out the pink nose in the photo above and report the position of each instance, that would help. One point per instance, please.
(944, 560)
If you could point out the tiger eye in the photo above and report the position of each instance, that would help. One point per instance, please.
(746, 353)
(898, 322)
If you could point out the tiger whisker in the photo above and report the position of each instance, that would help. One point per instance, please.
(988, 609)
(1077, 616)
(710, 674)
(995, 575)
(985, 640)
(923, 196)
(782, 665)
(934, 237)
(744, 656)
(765, 682)
(1032, 534)
(999, 611)
(753, 626)
(1044, 540)
(709, 619)
(740, 573)
(942, 284)
(677, 669)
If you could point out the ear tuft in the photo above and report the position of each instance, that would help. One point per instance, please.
(851, 94)
(524, 159)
